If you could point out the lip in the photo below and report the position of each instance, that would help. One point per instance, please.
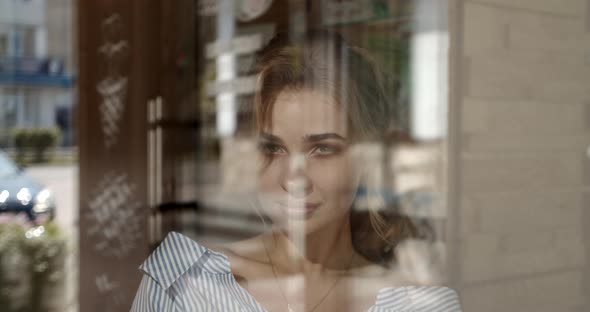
(303, 209)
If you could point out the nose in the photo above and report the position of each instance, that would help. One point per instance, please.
(296, 182)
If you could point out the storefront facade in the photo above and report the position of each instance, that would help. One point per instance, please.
(161, 89)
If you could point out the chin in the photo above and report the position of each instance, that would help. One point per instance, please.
(307, 225)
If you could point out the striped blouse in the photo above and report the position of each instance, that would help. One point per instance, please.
(182, 275)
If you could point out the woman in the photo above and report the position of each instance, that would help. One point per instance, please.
(318, 107)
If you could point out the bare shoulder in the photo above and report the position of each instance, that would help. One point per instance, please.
(247, 261)
(242, 254)
(377, 277)
(249, 250)
(218, 248)
(364, 268)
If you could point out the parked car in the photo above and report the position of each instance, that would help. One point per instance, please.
(19, 193)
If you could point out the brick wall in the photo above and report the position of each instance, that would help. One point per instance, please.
(524, 169)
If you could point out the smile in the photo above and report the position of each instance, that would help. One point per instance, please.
(299, 209)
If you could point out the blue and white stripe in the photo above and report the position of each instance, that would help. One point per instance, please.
(181, 275)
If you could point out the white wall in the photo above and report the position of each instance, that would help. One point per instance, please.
(525, 180)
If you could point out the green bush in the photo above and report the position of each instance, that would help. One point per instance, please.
(12, 296)
(21, 138)
(32, 260)
(36, 140)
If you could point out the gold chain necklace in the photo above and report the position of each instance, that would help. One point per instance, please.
(289, 308)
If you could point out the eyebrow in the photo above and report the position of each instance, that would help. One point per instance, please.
(308, 138)
(270, 137)
(323, 136)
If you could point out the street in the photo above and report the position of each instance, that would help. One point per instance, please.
(63, 182)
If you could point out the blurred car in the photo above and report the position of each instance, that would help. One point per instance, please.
(19, 193)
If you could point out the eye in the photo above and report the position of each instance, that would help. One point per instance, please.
(325, 150)
(270, 149)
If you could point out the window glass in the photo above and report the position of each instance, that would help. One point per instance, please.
(318, 146)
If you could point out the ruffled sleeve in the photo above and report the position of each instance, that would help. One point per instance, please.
(417, 299)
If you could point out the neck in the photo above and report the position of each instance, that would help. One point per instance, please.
(329, 248)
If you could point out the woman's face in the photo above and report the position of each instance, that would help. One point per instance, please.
(308, 175)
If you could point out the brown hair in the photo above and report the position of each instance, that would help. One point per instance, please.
(323, 61)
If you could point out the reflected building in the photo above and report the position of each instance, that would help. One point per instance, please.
(36, 66)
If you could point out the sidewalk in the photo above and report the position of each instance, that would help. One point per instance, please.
(59, 155)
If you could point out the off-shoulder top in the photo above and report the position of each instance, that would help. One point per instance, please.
(183, 275)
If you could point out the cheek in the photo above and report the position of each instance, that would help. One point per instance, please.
(269, 176)
(335, 177)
